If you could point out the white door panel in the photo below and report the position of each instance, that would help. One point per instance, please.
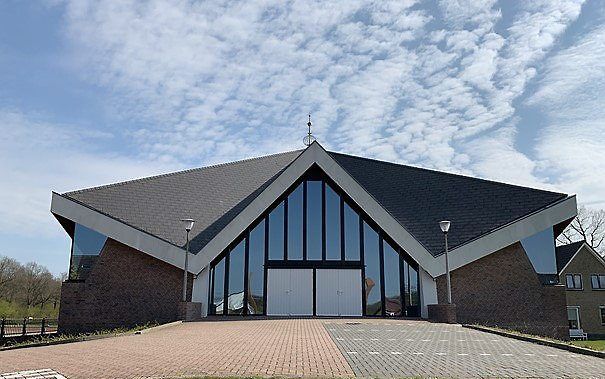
(349, 299)
(278, 287)
(338, 292)
(301, 295)
(289, 292)
(326, 297)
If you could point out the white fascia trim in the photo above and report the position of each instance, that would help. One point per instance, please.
(117, 230)
(315, 154)
(511, 233)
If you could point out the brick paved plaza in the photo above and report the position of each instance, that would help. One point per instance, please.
(305, 347)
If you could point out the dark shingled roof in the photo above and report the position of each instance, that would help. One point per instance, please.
(420, 198)
(212, 196)
(565, 253)
(417, 198)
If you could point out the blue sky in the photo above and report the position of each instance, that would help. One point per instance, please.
(93, 92)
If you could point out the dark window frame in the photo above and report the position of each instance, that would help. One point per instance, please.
(598, 276)
(574, 282)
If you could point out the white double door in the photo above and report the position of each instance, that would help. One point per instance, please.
(290, 292)
(338, 292)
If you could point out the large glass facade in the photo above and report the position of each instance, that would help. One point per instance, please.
(86, 247)
(314, 225)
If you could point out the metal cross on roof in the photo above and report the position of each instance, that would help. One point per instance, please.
(309, 138)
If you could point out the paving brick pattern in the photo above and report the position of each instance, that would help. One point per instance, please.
(393, 348)
(222, 348)
(307, 347)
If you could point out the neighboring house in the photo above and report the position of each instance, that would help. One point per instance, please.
(313, 233)
(582, 270)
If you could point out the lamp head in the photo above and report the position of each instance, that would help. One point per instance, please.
(444, 225)
(188, 223)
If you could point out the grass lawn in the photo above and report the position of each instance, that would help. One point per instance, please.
(594, 345)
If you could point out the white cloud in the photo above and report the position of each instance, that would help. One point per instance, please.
(38, 157)
(223, 80)
(571, 92)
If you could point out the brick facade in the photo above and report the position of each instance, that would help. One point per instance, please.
(503, 290)
(124, 288)
(588, 300)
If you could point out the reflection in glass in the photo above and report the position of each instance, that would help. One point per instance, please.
(351, 225)
(219, 287)
(392, 283)
(235, 298)
(332, 224)
(256, 272)
(372, 264)
(314, 201)
(295, 221)
(411, 293)
(87, 245)
(276, 233)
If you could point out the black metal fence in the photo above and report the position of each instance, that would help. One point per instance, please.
(27, 327)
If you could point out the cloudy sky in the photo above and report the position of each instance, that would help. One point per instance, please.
(93, 92)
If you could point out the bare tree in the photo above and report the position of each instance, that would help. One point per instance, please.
(36, 284)
(8, 273)
(589, 225)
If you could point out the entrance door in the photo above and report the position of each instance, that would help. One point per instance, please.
(338, 292)
(290, 292)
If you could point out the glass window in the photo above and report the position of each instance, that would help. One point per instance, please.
(235, 299)
(392, 282)
(540, 249)
(602, 314)
(573, 317)
(332, 224)
(597, 281)
(86, 247)
(372, 271)
(218, 278)
(276, 233)
(413, 303)
(573, 281)
(351, 225)
(295, 224)
(314, 222)
(256, 272)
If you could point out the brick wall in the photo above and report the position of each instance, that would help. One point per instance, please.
(502, 289)
(589, 300)
(125, 288)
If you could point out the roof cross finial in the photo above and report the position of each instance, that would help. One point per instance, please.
(309, 139)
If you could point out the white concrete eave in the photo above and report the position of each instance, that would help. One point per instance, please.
(119, 231)
(508, 234)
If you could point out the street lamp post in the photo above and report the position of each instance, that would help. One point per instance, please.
(188, 224)
(445, 227)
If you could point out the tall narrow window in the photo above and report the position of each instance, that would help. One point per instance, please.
(295, 224)
(218, 293)
(276, 233)
(256, 272)
(351, 225)
(392, 281)
(314, 222)
(413, 302)
(235, 299)
(332, 224)
(372, 270)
